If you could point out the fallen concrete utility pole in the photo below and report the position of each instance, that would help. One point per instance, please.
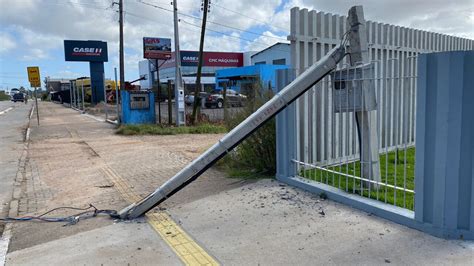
(279, 102)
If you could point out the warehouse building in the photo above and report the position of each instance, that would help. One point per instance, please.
(277, 54)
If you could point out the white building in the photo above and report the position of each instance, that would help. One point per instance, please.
(277, 54)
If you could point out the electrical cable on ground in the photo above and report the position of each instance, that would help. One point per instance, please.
(88, 212)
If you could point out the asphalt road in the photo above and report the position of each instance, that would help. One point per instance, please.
(13, 123)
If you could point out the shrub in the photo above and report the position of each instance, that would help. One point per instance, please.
(257, 153)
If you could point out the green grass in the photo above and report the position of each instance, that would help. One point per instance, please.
(4, 97)
(391, 173)
(165, 130)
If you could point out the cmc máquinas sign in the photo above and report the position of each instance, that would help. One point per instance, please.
(89, 51)
(218, 59)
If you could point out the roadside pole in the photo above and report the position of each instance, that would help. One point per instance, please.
(82, 88)
(77, 96)
(70, 94)
(74, 94)
(105, 98)
(37, 111)
(117, 96)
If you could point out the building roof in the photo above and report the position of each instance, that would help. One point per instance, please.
(269, 47)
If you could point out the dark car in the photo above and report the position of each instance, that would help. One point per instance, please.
(189, 99)
(18, 97)
(233, 98)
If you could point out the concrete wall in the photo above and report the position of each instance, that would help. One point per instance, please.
(444, 181)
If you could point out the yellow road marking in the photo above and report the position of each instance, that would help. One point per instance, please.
(190, 252)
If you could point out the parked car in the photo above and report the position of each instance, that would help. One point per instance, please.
(189, 99)
(18, 97)
(234, 98)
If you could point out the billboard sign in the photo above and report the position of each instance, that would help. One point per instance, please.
(88, 51)
(156, 48)
(34, 76)
(212, 59)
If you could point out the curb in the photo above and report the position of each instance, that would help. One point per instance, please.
(14, 203)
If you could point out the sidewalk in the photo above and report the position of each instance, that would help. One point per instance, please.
(74, 160)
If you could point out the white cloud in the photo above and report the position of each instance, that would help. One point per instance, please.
(35, 54)
(263, 42)
(6, 42)
(67, 74)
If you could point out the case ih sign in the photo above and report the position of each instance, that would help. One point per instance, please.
(89, 51)
(217, 59)
(156, 48)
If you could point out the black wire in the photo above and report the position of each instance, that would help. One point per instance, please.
(67, 207)
(71, 219)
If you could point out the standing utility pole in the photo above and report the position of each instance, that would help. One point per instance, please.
(366, 119)
(196, 104)
(122, 67)
(178, 82)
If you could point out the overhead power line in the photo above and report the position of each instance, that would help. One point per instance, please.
(212, 22)
(249, 17)
(232, 36)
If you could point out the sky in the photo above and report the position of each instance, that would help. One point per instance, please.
(32, 31)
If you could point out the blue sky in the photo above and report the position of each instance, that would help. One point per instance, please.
(32, 31)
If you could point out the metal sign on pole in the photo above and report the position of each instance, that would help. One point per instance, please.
(35, 81)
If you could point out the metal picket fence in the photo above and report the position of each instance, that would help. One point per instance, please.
(338, 162)
(327, 140)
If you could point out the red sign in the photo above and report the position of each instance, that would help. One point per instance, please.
(223, 59)
(220, 59)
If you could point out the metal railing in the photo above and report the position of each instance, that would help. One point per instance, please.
(387, 91)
